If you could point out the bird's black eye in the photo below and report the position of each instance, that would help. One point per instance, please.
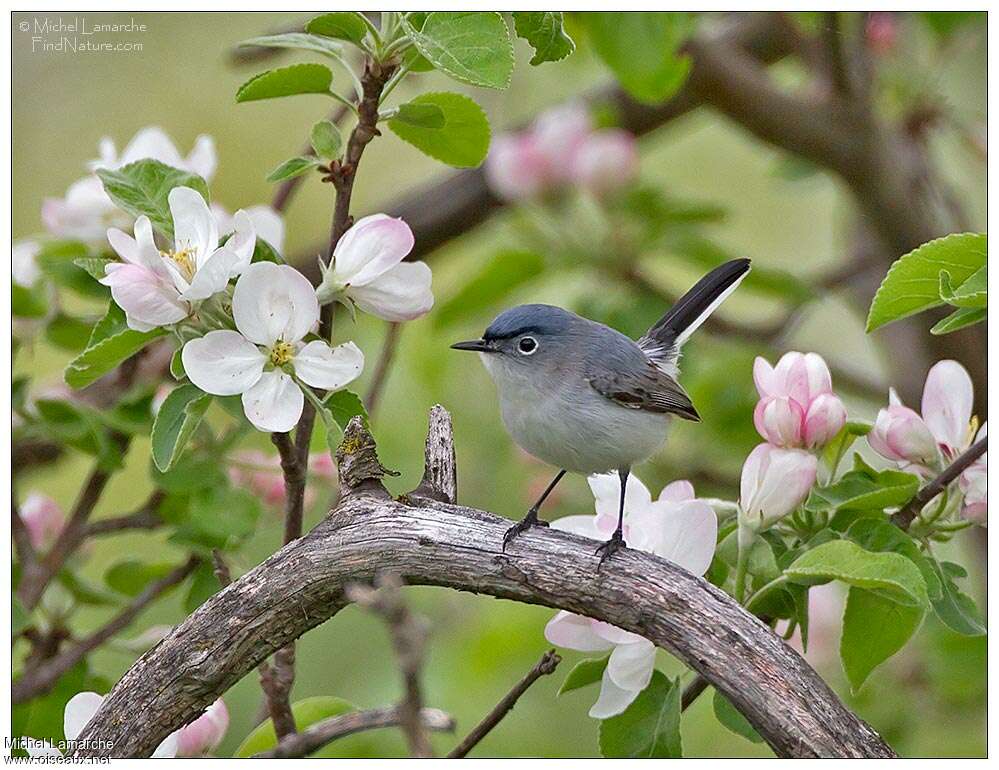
(527, 345)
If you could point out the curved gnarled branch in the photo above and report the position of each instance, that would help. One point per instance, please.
(428, 540)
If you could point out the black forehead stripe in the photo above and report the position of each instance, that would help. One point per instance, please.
(505, 335)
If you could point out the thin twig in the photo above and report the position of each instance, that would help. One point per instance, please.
(907, 514)
(26, 554)
(547, 665)
(380, 377)
(693, 691)
(409, 635)
(145, 517)
(220, 568)
(832, 35)
(40, 680)
(323, 733)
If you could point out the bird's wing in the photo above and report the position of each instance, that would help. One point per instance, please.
(651, 390)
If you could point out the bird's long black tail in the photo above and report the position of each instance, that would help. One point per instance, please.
(693, 308)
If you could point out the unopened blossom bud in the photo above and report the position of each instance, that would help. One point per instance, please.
(974, 484)
(901, 435)
(515, 168)
(43, 518)
(606, 161)
(881, 32)
(205, 733)
(774, 482)
(797, 407)
(558, 133)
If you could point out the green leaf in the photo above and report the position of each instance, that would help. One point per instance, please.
(471, 47)
(307, 712)
(100, 358)
(342, 25)
(960, 318)
(642, 50)
(286, 81)
(889, 574)
(913, 281)
(86, 593)
(879, 534)
(204, 585)
(94, 266)
(178, 418)
(464, 139)
(57, 259)
(874, 629)
(20, 617)
(219, 517)
(865, 491)
(27, 303)
(111, 324)
(78, 426)
(326, 140)
(131, 576)
(732, 718)
(344, 405)
(293, 167)
(422, 115)
(945, 23)
(584, 673)
(495, 281)
(142, 189)
(177, 365)
(842, 441)
(544, 31)
(974, 292)
(956, 609)
(649, 728)
(264, 252)
(69, 333)
(299, 41)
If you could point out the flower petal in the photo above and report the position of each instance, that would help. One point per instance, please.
(606, 488)
(243, 240)
(274, 302)
(319, 365)
(677, 492)
(688, 535)
(213, 276)
(613, 700)
(167, 749)
(194, 227)
(630, 665)
(580, 525)
(79, 710)
(144, 296)
(223, 362)
(948, 398)
(149, 142)
(369, 248)
(46, 749)
(575, 632)
(202, 159)
(269, 225)
(401, 293)
(275, 403)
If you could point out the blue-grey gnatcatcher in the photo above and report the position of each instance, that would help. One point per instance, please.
(584, 397)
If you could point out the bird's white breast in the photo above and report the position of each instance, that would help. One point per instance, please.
(566, 423)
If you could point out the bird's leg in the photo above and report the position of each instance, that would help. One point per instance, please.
(616, 541)
(531, 519)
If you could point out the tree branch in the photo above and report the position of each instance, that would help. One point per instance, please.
(547, 665)
(322, 733)
(907, 514)
(143, 518)
(40, 680)
(440, 544)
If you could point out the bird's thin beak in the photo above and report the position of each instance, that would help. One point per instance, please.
(478, 346)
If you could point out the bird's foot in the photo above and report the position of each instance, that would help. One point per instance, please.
(530, 520)
(612, 546)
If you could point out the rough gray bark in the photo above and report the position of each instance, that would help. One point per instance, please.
(428, 542)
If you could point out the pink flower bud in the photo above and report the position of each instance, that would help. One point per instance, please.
(825, 418)
(779, 420)
(774, 482)
(558, 133)
(881, 32)
(516, 169)
(605, 161)
(205, 733)
(322, 466)
(974, 485)
(900, 434)
(43, 519)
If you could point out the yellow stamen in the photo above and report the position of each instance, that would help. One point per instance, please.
(281, 353)
(184, 260)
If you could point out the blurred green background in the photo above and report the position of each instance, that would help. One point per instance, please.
(930, 700)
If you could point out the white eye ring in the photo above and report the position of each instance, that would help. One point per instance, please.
(527, 346)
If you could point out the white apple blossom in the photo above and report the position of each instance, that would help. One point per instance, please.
(24, 270)
(86, 211)
(78, 712)
(774, 482)
(677, 527)
(274, 307)
(157, 288)
(368, 270)
(266, 221)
